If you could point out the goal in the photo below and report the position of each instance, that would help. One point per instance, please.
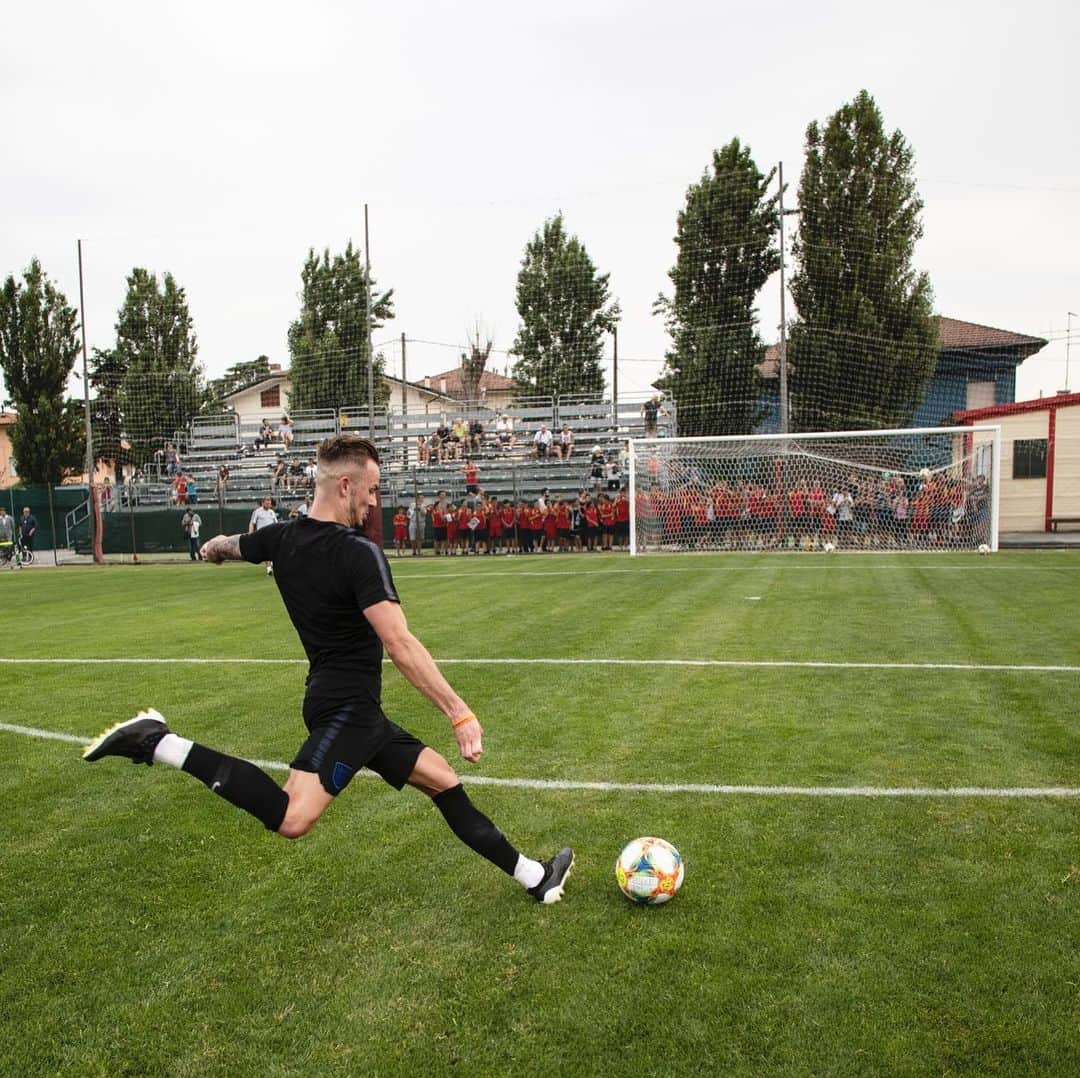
(932, 488)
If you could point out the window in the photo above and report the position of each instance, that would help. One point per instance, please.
(270, 398)
(1029, 458)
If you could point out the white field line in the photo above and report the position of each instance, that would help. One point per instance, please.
(1029, 668)
(676, 787)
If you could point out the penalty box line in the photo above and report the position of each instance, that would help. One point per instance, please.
(797, 664)
(1015, 792)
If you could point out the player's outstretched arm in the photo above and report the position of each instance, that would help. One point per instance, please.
(419, 669)
(222, 548)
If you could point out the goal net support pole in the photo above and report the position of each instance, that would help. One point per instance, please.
(925, 488)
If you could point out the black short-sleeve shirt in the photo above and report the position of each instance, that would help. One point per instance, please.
(328, 575)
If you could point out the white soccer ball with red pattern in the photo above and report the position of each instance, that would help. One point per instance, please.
(649, 871)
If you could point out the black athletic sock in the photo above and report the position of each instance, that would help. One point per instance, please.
(239, 782)
(475, 829)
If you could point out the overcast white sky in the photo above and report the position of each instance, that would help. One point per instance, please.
(220, 140)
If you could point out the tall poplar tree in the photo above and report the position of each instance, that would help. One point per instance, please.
(727, 251)
(328, 342)
(565, 310)
(865, 342)
(38, 348)
(156, 355)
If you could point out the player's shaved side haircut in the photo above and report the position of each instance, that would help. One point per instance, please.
(346, 449)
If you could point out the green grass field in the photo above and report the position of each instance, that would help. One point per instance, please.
(149, 928)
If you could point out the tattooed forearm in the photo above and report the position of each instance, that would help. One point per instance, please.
(222, 548)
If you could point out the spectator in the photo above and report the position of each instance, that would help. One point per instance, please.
(650, 411)
(542, 442)
(285, 431)
(597, 466)
(614, 475)
(311, 472)
(279, 473)
(28, 528)
(504, 433)
(192, 490)
(180, 489)
(7, 539)
(222, 481)
(416, 524)
(171, 459)
(423, 452)
(297, 473)
(107, 494)
(472, 476)
(190, 523)
(401, 528)
(459, 437)
(263, 517)
(439, 513)
(564, 446)
(476, 435)
(265, 435)
(303, 509)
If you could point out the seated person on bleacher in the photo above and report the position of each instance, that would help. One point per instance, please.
(285, 431)
(459, 436)
(564, 443)
(296, 475)
(476, 435)
(446, 450)
(504, 433)
(265, 435)
(423, 450)
(280, 471)
(542, 440)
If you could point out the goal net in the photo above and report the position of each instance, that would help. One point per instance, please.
(932, 488)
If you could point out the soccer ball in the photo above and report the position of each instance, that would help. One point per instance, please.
(924, 474)
(828, 548)
(649, 871)
(983, 548)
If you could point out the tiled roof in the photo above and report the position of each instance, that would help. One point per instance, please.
(954, 335)
(489, 380)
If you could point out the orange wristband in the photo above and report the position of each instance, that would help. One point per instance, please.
(467, 717)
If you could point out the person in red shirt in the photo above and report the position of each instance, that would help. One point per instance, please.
(536, 527)
(562, 525)
(606, 511)
(401, 529)
(478, 534)
(550, 527)
(509, 529)
(438, 523)
(622, 519)
(463, 514)
(451, 530)
(495, 527)
(592, 523)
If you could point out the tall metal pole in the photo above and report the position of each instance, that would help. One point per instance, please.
(85, 379)
(615, 376)
(367, 308)
(783, 314)
(404, 409)
(1068, 344)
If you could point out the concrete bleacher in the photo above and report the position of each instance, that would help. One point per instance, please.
(213, 441)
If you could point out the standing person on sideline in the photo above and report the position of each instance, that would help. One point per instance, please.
(338, 591)
(417, 515)
(263, 517)
(651, 410)
(191, 523)
(28, 528)
(7, 539)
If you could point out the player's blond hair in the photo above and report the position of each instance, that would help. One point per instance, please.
(346, 449)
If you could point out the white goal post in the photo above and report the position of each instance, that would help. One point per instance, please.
(925, 488)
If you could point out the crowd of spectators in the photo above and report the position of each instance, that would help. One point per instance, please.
(480, 525)
(859, 510)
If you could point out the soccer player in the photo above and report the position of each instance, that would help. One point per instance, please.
(338, 591)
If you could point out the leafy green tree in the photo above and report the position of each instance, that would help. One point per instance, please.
(865, 341)
(38, 347)
(565, 310)
(107, 406)
(328, 342)
(727, 251)
(157, 352)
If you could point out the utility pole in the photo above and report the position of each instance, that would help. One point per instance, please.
(783, 315)
(367, 309)
(85, 379)
(1068, 344)
(615, 376)
(404, 410)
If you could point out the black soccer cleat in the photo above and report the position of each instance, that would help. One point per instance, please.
(136, 739)
(550, 888)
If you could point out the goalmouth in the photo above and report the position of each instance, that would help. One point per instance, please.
(917, 489)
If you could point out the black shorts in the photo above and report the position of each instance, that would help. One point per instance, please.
(440, 535)
(342, 739)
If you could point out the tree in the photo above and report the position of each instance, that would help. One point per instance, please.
(473, 363)
(38, 347)
(156, 351)
(565, 310)
(866, 341)
(727, 251)
(328, 343)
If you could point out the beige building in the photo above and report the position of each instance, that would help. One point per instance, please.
(1040, 461)
(8, 478)
(438, 394)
